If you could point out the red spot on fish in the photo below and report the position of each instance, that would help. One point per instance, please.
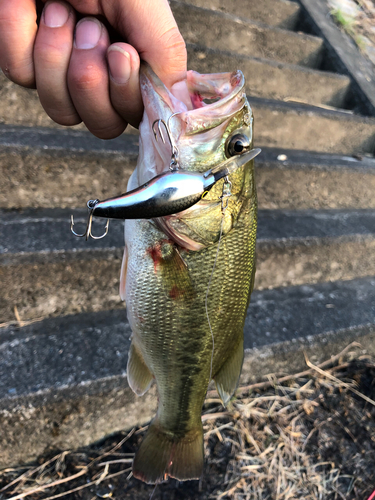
(155, 253)
(140, 318)
(175, 292)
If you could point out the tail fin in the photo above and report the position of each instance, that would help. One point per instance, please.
(161, 455)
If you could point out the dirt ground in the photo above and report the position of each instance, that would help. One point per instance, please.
(307, 436)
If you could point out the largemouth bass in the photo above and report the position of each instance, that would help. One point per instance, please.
(187, 278)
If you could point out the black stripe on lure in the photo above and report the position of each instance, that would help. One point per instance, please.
(165, 194)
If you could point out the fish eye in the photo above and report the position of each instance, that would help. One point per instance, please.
(237, 144)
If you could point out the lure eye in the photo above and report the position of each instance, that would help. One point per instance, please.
(237, 144)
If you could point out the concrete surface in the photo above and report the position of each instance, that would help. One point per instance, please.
(42, 168)
(298, 180)
(45, 168)
(283, 14)
(218, 30)
(274, 80)
(46, 271)
(297, 126)
(63, 380)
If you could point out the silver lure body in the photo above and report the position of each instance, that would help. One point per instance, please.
(168, 193)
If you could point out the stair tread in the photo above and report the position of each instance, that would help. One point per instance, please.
(218, 29)
(69, 141)
(306, 108)
(293, 125)
(271, 12)
(300, 126)
(272, 79)
(47, 230)
(294, 158)
(265, 78)
(89, 347)
(48, 168)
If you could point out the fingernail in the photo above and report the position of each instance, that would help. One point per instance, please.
(119, 64)
(88, 32)
(55, 15)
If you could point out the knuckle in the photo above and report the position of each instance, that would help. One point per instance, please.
(172, 39)
(174, 50)
(51, 53)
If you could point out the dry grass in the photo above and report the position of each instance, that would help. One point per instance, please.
(357, 19)
(260, 448)
(269, 438)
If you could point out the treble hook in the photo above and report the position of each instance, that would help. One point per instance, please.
(174, 159)
(91, 204)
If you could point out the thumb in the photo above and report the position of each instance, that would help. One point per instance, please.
(149, 26)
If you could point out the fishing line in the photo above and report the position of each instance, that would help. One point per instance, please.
(153, 491)
(224, 204)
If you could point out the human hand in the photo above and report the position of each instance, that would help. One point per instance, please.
(79, 74)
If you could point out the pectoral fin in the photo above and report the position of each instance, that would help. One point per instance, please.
(227, 378)
(139, 376)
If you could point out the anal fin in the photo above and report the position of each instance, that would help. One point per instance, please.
(139, 376)
(227, 378)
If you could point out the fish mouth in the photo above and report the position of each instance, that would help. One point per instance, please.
(202, 101)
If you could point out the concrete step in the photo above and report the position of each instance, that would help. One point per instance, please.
(300, 180)
(57, 169)
(282, 13)
(46, 271)
(265, 78)
(20, 106)
(274, 80)
(296, 126)
(47, 168)
(311, 128)
(217, 30)
(63, 380)
(290, 125)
